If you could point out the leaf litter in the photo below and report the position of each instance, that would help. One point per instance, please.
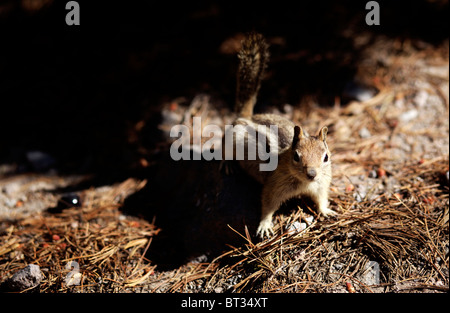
(390, 188)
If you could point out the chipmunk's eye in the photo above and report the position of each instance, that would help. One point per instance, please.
(325, 158)
(296, 157)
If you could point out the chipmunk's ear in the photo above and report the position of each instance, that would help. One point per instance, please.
(323, 133)
(298, 134)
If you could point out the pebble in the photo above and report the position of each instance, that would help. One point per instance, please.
(309, 219)
(355, 90)
(371, 274)
(421, 98)
(399, 103)
(28, 277)
(337, 266)
(296, 227)
(361, 194)
(364, 133)
(409, 115)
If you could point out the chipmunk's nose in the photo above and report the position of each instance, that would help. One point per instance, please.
(311, 173)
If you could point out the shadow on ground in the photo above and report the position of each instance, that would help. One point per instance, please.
(194, 203)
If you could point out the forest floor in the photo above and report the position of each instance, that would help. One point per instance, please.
(390, 156)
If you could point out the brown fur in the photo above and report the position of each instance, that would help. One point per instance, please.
(304, 162)
(253, 58)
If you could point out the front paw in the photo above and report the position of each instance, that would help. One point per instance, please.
(327, 212)
(264, 229)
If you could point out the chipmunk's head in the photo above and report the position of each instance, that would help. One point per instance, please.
(310, 154)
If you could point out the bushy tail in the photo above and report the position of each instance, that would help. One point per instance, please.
(253, 58)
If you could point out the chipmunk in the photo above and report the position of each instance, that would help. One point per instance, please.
(304, 161)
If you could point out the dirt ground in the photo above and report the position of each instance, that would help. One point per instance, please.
(187, 226)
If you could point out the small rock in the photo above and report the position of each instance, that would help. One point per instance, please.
(361, 194)
(371, 274)
(28, 277)
(408, 115)
(421, 98)
(302, 226)
(364, 133)
(337, 267)
(355, 90)
(296, 227)
(399, 103)
(309, 219)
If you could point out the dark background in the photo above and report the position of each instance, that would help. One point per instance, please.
(75, 92)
